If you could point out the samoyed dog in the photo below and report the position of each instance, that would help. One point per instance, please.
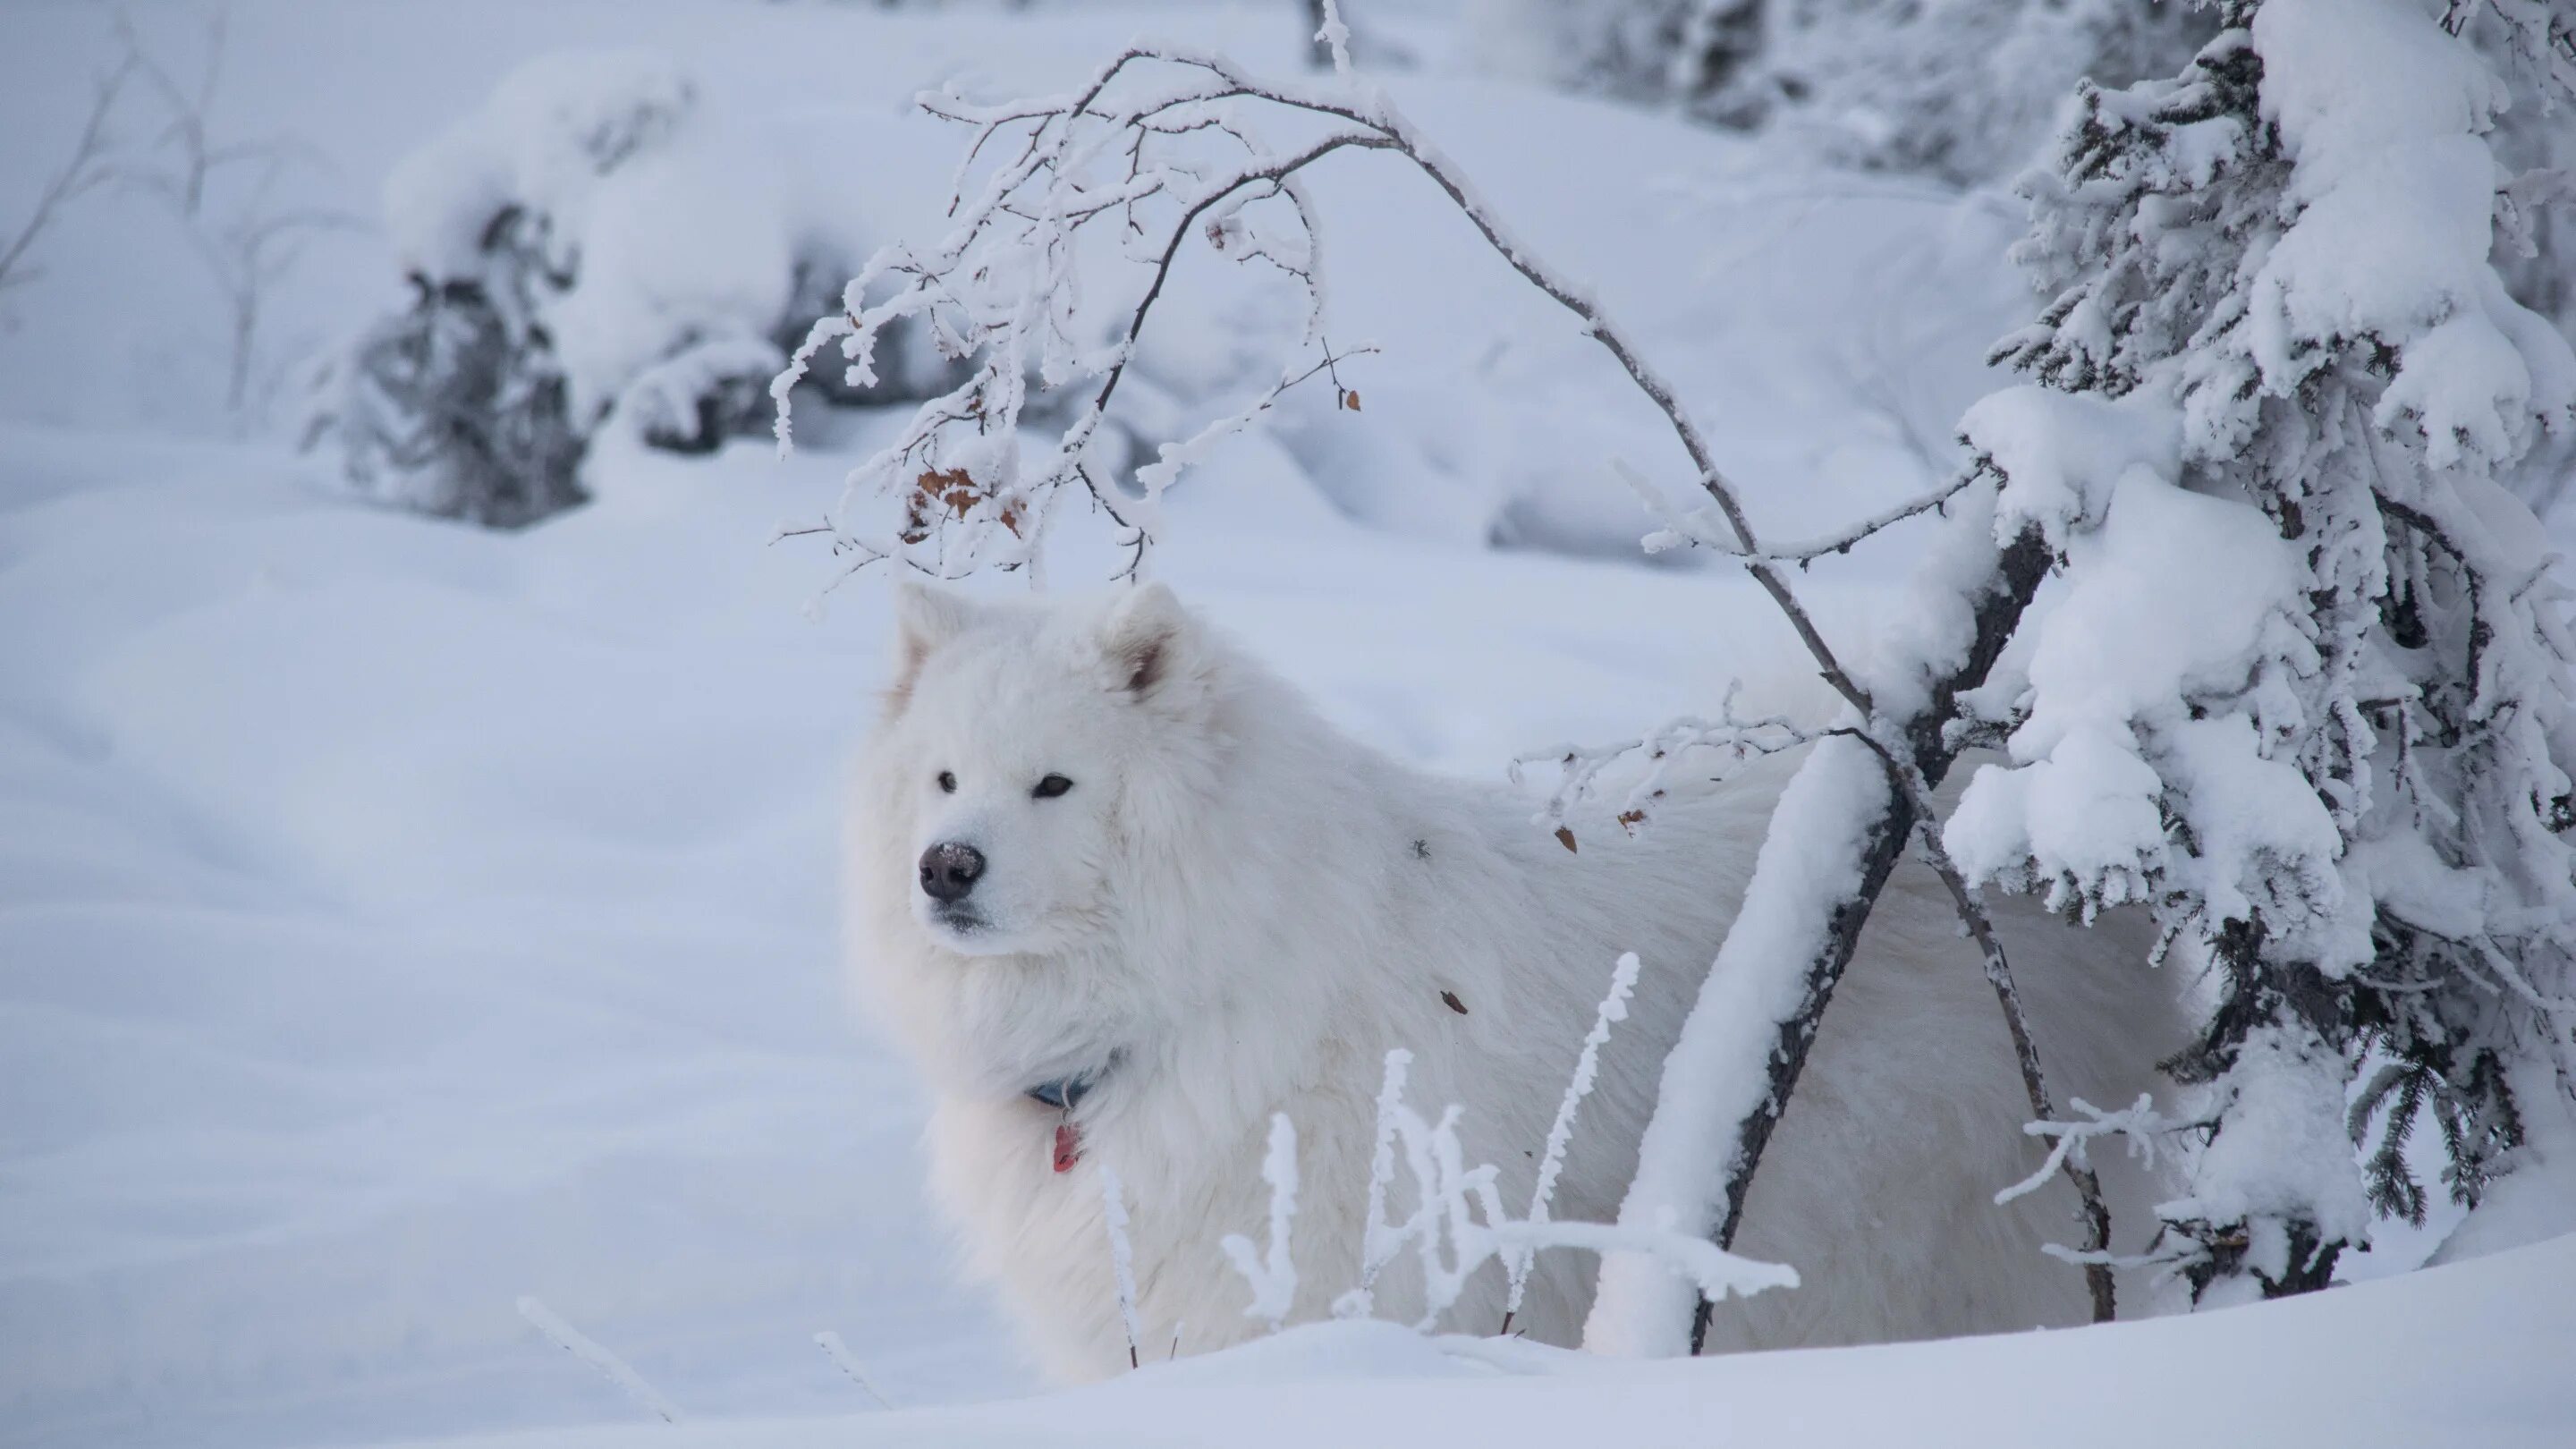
(1124, 895)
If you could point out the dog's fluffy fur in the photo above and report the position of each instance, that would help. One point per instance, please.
(1235, 910)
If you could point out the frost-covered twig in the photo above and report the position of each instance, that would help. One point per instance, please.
(1560, 1133)
(1122, 1257)
(1272, 1276)
(1664, 749)
(581, 1346)
(848, 1363)
(1458, 1224)
(1695, 528)
(2139, 1122)
(1378, 1242)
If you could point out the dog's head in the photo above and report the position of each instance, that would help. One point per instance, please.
(1023, 750)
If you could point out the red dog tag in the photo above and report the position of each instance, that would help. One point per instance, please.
(1068, 1146)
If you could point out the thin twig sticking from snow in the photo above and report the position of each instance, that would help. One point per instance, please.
(1560, 1133)
(581, 1346)
(1273, 1277)
(1122, 1257)
(1378, 1242)
(1458, 1223)
(848, 1363)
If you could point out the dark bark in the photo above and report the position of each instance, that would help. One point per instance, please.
(1998, 609)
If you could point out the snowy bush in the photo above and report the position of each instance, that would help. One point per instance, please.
(589, 248)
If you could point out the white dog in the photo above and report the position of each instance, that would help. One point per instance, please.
(1125, 896)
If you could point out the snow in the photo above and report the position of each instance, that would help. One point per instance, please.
(2473, 1354)
(398, 921)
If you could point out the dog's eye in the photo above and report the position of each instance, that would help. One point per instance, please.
(947, 783)
(1052, 786)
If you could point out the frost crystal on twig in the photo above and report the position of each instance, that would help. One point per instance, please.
(582, 1346)
(1687, 740)
(848, 1363)
(1560, 1133)
(1273, 1276)
(1122, 1257)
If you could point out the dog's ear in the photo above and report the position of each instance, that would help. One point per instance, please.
(924, 619)
(1141, 638)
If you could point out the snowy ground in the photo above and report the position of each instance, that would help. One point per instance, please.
(2469, 1355)
(396, 919)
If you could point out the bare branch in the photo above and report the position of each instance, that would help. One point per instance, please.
(1664, 749)
(1903, 775)
(84, 170)
(1049, 165)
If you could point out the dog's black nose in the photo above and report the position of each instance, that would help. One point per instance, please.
(950, 870)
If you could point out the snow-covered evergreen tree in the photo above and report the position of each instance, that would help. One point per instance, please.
(2303, 689)
(1959, 89)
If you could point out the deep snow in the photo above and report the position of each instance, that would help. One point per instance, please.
(397, 919)
(2473, 1355)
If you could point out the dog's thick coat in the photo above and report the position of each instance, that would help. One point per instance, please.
(1204, 904)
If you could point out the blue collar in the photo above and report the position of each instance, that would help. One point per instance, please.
(1066, 1093)
(1063, 1094)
